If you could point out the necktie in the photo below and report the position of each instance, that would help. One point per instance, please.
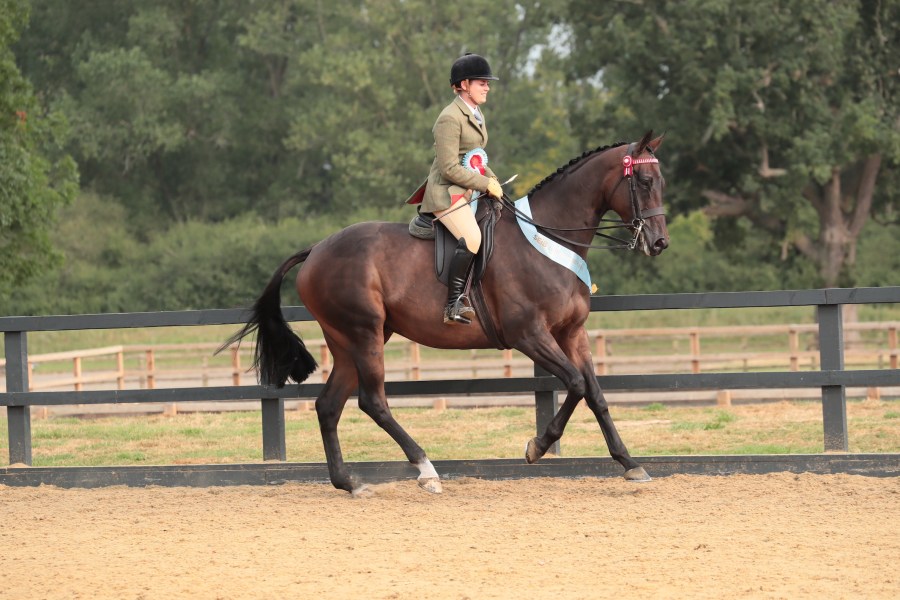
(478, 116)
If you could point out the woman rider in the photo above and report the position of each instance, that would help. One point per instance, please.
(459, 130)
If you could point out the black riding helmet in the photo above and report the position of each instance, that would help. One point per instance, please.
(470, 66)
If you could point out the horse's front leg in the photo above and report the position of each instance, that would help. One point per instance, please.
(580, 383)
(597, 403)
(544, 350)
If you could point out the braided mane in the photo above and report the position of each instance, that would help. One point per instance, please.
(572, 162)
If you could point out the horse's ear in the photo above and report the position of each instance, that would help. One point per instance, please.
(654, 145)
(642, 145)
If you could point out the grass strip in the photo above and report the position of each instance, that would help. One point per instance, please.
(235, 437)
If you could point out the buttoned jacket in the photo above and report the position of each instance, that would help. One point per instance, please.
(456, 132)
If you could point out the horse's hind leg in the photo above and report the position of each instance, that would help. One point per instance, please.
(329, 406)
(373, 401)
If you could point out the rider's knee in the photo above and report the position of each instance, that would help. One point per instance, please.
(473, 240)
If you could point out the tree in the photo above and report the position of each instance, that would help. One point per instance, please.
(367, 79)
(785, 114)
(213, 108)
(35, 175)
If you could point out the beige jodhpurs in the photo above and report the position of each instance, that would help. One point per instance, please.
(460, 220)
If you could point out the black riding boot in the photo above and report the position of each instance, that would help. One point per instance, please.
(458, 309)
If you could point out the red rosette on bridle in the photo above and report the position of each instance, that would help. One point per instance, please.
(627, 165)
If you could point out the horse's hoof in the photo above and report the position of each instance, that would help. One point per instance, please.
(362, 491)
(637, 474)
(431, 484)
(532, 454)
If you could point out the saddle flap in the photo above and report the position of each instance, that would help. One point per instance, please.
(445, 244)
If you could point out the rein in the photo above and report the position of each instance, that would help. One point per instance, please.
(637, 223)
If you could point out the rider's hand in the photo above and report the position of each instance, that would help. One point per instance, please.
(494, 189)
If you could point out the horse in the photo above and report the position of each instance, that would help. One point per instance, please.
(372, 280)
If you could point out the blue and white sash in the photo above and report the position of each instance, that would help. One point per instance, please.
(550, 248)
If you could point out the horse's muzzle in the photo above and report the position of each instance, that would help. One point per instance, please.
(654, 247)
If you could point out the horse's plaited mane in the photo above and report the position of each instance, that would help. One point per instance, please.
(574, 161)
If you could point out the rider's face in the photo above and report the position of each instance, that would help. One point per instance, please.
(476, 90)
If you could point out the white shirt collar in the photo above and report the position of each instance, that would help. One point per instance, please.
(474, 109)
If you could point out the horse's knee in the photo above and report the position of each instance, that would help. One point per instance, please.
(578, 387)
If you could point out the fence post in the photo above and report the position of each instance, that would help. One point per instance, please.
(120, 369)
(794, 341)
(415, 355)
(834, 397)
(324, 361)
(545, 406)
(76, 370)
(274, 447)
(695, 351)
(892, 345)
(235, 365)
(600, 354)
(151, 369)
(18, 417)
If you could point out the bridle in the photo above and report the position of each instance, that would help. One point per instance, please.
(637, 221)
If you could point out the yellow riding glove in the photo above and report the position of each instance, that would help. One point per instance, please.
(494, 189)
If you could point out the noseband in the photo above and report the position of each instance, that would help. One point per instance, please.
(637, 221)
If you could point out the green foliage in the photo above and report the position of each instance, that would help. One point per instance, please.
(190, 266)
(35, 174)
(216, 137)
(878, 256)
(769, 109)
(209, 110)
(693, 263)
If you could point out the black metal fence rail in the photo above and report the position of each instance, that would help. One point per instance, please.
(832, 379)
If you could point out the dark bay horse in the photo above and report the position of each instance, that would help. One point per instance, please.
(371, 280)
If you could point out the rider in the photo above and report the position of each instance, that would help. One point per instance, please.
(459, 132)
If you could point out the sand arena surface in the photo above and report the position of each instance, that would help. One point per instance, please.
(762, 536)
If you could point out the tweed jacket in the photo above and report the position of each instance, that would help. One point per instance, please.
(456, 132)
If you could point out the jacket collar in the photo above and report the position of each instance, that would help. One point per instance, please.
(464, 108)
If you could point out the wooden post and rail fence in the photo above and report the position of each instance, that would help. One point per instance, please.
(823, 366)
(141, 366)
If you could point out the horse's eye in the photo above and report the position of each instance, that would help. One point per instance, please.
(645, 182)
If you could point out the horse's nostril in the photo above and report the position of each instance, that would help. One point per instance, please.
(661, 244)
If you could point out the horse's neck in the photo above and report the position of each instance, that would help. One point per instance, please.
(570, 202)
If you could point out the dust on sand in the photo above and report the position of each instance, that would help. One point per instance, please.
(741, 536)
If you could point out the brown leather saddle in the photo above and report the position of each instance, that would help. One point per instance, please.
(487, 215)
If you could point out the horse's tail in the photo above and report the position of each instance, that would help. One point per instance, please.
(280, 353)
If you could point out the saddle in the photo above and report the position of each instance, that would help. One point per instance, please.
(424, 226)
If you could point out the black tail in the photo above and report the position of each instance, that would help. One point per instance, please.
(280, 353)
